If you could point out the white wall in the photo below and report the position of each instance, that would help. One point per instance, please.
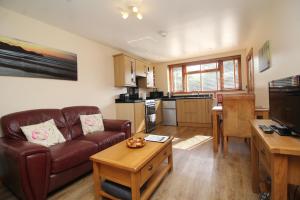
(281, 25)
(162, 72)
(95, 85)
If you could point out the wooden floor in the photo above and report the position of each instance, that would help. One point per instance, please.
(198, 172)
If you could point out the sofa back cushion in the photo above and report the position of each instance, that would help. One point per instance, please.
(11, 124)
(72, 116)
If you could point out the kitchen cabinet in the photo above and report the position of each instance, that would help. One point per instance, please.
(194, 112)
(141, 69)
(135, 112)
(158, 111)
(148, 82)
(139, 117)
(124, 69)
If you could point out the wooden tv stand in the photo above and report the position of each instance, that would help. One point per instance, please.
(279, 155)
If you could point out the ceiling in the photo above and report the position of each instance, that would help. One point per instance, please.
(193, 27)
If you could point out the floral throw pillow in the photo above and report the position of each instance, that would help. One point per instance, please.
(91, 123)
(45, 133)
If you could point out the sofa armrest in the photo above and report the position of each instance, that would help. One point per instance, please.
(118, 125)
(25, 168)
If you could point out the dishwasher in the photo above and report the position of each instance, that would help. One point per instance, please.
(169, 112)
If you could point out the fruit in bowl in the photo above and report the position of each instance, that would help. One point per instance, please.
(135, 142)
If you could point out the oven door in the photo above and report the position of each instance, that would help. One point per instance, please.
(150, 122)
(150, 109)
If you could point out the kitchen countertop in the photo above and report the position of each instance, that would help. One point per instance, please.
(129, 101)
(165, 98)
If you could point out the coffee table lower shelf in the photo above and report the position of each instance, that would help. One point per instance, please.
(152, 183)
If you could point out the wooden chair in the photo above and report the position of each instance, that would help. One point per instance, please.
(219, 99)
(238, 111)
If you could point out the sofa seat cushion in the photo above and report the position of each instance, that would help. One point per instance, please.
(69, 154)
(104, 139)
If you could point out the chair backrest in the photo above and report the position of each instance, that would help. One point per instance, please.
(238, 111)
(219, 99)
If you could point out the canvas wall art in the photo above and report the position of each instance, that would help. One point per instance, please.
(26, 59)
(264, 57)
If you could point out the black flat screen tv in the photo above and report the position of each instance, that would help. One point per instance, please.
(284, 98)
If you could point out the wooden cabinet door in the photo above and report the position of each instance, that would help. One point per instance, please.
(129, 71)
(194, 112)
(158, 111)
(187, 110)
(139, 117)
(125, 111)
(124, 70)
(204, 108)
(140, 68)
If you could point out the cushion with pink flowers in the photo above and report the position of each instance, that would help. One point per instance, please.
(91, 123)
(45, 133)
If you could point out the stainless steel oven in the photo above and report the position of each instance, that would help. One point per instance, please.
(150, 115)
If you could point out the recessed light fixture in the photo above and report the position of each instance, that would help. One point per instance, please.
(163, 33)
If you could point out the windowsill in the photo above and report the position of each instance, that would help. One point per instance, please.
(205, 92)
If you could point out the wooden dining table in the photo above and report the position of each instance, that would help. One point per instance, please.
(260, 113)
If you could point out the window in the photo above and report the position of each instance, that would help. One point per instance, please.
(206, 76)
(177, 79)
(231, 80)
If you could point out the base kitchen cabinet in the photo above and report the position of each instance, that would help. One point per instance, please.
(135, 112)
(194, 112)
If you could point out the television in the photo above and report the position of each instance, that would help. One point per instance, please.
(284, 98)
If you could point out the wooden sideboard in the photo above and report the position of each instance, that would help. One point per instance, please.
(280, 157)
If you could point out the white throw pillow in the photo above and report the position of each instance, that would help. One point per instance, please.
(91, 123)
(45, 133)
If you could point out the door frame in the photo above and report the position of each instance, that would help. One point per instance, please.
(249, 58)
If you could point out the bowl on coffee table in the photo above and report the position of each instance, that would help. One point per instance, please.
(136, 143)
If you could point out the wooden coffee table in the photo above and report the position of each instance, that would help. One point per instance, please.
(133, 167)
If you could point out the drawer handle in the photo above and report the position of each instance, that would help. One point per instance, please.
(150, 167)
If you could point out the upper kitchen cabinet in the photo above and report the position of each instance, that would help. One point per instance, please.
(148, 82)
(125, 68)
(141, 68)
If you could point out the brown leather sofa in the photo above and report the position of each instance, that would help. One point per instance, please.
(32, 171)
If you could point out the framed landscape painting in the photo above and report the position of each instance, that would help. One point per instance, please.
(26, 59)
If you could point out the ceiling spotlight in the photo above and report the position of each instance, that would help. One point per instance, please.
(135, 9)
(139, 16)
(163, 33)
(124, 14)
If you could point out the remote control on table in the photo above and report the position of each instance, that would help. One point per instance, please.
(266, 129)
